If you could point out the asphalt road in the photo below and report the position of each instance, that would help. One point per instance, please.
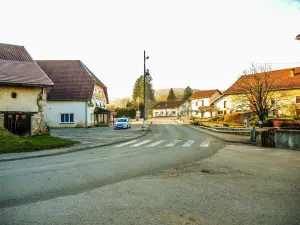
(167, 145)
(169, 177)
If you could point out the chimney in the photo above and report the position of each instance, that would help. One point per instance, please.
(292, 72)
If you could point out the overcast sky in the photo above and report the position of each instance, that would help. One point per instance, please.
(203, 44)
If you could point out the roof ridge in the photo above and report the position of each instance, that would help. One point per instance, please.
(11, 44)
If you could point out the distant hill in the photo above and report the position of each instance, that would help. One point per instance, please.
(160, 95)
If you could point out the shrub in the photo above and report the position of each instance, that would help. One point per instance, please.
(126, 112)
(268, 123)
(253, 120)
(234, 118)
(226, 124)
(296, 117)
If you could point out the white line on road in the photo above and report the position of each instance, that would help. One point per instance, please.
(156, 143)
(126, 143)
(204, 144)
(173, 143)
(188, 143)
(141, 143)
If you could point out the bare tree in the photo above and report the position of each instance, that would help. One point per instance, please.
(258, 91)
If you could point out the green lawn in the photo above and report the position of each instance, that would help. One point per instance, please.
(10, 143)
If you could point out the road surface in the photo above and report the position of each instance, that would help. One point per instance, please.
(167, 145)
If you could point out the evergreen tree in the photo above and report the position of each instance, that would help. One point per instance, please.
(171, 96)
(187, 93)
(138, 89)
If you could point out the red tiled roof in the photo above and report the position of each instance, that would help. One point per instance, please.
(168, 104)
(282, 80)
(73, 81)
(22, 73)
(14, 52)
(204, 94)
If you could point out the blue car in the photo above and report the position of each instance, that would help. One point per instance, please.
(122, 123)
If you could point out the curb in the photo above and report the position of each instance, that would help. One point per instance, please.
(77, 149)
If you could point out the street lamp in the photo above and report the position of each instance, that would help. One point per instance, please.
(146, 73)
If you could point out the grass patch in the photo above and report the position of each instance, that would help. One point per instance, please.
(10, 143)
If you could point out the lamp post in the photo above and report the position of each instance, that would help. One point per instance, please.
(146, 72)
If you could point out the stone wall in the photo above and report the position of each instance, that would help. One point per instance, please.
(289, 139)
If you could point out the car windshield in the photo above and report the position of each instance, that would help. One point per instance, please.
(122, 120)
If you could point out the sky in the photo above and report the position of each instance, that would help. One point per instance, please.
(196, 43)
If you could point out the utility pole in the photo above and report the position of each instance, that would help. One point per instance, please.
(145, 99)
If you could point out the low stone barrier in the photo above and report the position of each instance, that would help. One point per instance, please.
(227, 130)
(287, 138)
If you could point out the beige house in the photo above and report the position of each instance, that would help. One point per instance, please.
(201, 102)
(22, 92)
(171, 108)
(78, 98)
(285, 100)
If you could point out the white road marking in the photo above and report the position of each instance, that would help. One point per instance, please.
(156, 143)
(141, 143)
(188, 143)
(173, 143)
(126, 143)
(204, 144)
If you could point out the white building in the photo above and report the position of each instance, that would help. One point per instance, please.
(201, 102)
(171, 108)
(78, 98)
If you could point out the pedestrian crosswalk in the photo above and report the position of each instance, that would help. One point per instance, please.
(165, 143)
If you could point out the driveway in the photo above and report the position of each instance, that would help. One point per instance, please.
(97, 135)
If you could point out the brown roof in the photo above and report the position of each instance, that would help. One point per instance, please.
(283, 80)
(73, 81)
(298, 37)
(14, 52)
(203, 94)
(22, 73)
(168, 104)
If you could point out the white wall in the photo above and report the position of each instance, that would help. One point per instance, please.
(55, 108)
(206, 103)
(165, 112)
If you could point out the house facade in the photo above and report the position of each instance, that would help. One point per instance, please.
(285, 95)
(78, 98)
(171, 108)
(22, 92)
(201, 102)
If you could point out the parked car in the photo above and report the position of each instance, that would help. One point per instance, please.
(122, 123)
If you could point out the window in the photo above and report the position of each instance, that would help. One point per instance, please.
(67, 118)
(273, 101)
(196, 102)
(221, 112)
(202, 103)
(297, 99)
(14, 95)
(174, 112)
(225, 104)
(275, 112)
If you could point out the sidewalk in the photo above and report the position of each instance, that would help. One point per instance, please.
(94, 137)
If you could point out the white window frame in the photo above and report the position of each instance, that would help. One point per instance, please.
(69, 122)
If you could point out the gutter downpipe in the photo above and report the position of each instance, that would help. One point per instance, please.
(86, 108)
